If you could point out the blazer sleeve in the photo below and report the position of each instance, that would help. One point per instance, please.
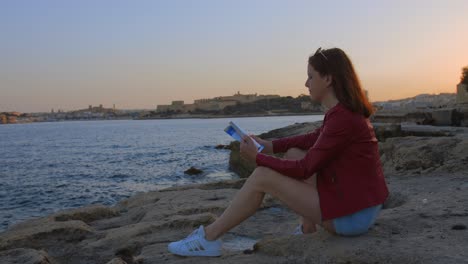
(304, 141)
(335, 136)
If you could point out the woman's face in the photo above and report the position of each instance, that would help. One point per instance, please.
(318, 86)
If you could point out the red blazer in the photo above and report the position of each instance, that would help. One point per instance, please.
(344, 153)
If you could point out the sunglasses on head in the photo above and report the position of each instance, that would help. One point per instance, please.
(320, 50)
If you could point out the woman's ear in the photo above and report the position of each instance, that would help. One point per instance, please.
(328, 79)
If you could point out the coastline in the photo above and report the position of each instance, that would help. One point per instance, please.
(202, 116)
(233, 116)
(423, 165)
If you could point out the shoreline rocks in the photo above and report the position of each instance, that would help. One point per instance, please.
(423, 221)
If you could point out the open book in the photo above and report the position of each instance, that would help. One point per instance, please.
(237, 133)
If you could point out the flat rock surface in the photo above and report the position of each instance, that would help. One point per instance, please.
(424, 220)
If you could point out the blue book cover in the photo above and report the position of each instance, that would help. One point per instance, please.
(237, 133)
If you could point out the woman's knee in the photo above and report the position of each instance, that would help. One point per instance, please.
(258, 175)
(261, 178)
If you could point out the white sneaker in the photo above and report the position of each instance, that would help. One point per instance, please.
(298, 230)
(195, 244)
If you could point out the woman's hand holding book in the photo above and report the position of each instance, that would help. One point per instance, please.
(268, 149)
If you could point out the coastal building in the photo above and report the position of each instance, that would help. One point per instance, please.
(91, 112)
(213, 104)
(3, 119)
(175, 106)
(462, 93)
(419, 102)
(9, 117)
(97, 109)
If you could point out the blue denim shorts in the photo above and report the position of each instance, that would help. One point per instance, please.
(357, 223)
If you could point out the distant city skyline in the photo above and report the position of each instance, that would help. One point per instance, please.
(71, 54)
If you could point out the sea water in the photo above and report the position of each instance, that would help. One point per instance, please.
(45, 167)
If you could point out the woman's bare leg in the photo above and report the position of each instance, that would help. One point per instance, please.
(245, 203)
(296, 154)
(299, 196)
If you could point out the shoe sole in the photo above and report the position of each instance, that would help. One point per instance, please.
(196, 253)
(205, 254)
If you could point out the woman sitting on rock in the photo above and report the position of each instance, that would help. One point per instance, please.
(331, 176)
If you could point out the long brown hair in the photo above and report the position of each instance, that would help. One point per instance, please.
(345, 82)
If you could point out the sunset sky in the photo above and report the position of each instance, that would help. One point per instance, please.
(138, 54)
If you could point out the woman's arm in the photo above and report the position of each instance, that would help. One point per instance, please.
(304, 141)
(335, 136)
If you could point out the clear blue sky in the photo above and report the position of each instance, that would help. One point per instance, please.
(137, 54)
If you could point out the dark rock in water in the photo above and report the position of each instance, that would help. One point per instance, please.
(459, 227)
(221, 146)
(193, 171)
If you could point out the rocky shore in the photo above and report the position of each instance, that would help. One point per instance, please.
(424, 220)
